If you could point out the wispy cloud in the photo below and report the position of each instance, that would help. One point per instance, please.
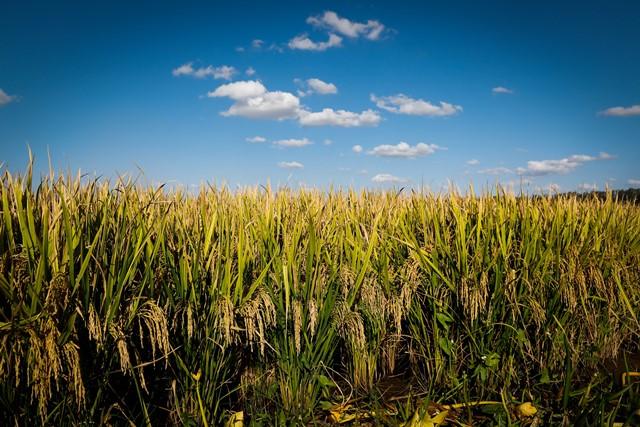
(256, 139)
(496, 171)
(6, 98)
(290, 165)
(292, 142)
(303, 42)
(257, 43)
(634, 182)
(330, 20)
(473, 162)
(502, 89)
(342, 118)
(633, 110)
(405, 150)
(383, 178)
(252, 100)
(402, 104)
(222, 72)
(250, 71)
(357, 149)
(561, 166)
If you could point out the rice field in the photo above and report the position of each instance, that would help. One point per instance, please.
(126, 304)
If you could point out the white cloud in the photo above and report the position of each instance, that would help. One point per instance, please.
(501, 89)
(292, 142)
(327, 142)
(6, 98)
(252, 100)
(553, 188)
(256, 139)
(587, 187)
(223, 72)
(496, 171)
(343, 118)
(404, 150)
(303, 42)
(402, 104)
(323, 88)
(561, 166)
(239, 90)
(239, 49)
(250, 71)
(290, 165)
(357, 149)
(388, 178)
(473, 162)
(257, 43)
(633, 110)
(331, 21)
(634, 182)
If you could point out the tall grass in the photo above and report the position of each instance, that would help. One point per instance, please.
(120, 304)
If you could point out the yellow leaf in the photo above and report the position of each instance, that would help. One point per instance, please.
(236, 420)
(527, 409)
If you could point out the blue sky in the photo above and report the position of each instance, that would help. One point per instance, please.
(362, 94)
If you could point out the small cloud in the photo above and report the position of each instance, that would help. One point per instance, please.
(292, 142)
(256, 139)
(342, 118)
(357, 149)
(553, 188)
(5, 98)
(405, 150)
(560, 166)
(323, 88)
(587, 187)
(252, 100)
(388, 178)
(496, 171)
(223, 72)
(634, 182)
(327, 142)
(303, 42)
(250, 71)
(330, 20)
(473, 162)
(633, 110)
(257, 43)
(501, 89)
(290, 165)
(402, 104)
(239, 49)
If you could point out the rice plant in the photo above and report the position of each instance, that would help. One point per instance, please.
(121, 303)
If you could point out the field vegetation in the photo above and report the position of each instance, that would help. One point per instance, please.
(122, 303)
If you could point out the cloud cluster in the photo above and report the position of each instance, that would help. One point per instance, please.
(402, 104)
(253, 100)
(223, 72)
(561, 166)
(6, 98)
(633, 110)
(330, 20)
(385, 178)
(405, 150)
